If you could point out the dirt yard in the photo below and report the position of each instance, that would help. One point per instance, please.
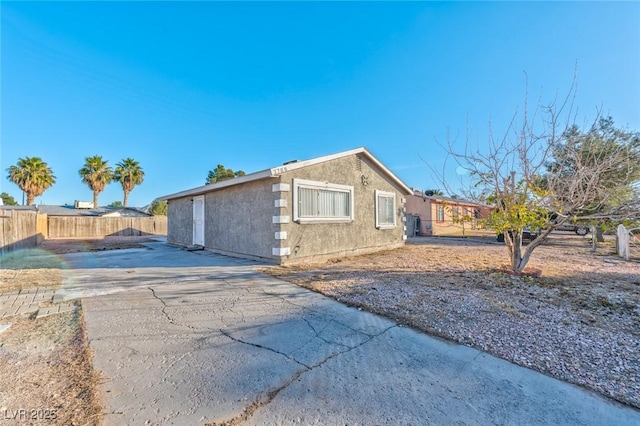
(46, 374)
(579, 322)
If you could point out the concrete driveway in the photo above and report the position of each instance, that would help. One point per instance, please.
(191, 338)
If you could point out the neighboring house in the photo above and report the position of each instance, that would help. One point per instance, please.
(437, 215)
(19, 208)
(342, 204)
(100, 211)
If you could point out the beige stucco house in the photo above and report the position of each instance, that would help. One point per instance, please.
(341, 204)
(438, 215)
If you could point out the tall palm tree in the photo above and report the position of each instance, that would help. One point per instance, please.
(96, 173)
(129, 173)
(32, 175)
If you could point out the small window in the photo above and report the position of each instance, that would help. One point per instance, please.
(385, 209)
(321, 202)
(456, 213)
(440, 213)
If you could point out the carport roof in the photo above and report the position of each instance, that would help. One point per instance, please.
(287, 167)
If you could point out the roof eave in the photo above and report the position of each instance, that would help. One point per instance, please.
(218, 185)
(362, 150)
(276, 171)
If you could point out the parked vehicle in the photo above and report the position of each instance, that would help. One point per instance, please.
(527, 234)
(578, 229)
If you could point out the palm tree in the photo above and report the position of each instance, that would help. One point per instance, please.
(96, 173)
(129, 173)
(32, 175)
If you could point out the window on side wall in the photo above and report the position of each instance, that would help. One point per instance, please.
(440, 213)
(385, 209)
(321, 202)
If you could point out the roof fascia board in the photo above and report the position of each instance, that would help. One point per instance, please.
(305, 163)
(219, 185)
(276, 171)
(362, 150)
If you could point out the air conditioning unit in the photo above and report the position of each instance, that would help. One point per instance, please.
(83, 204)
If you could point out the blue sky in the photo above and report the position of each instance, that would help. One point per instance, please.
(184, 86)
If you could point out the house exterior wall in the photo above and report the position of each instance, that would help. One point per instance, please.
(300, 242)
(255, 219)
(432, 225)
(180, 221)
(445, 227)
(450, 227)
(238, 219)
(421, 206)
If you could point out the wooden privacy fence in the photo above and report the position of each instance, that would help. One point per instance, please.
(19, 229)
(97, 227)
(24, 229)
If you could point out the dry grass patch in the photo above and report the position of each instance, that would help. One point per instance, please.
(46, 370)
(45, 363)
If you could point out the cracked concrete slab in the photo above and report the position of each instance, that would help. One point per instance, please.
(428, 381)
(192, 338)
(165, 371)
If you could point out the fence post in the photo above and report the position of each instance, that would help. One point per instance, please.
(622, 242)
(42, 227)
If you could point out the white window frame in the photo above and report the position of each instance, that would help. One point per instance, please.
(312, 184)
(385, 194)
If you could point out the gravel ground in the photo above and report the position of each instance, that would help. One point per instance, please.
(579, 322)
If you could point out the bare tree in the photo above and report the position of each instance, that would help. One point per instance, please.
(544, 172)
